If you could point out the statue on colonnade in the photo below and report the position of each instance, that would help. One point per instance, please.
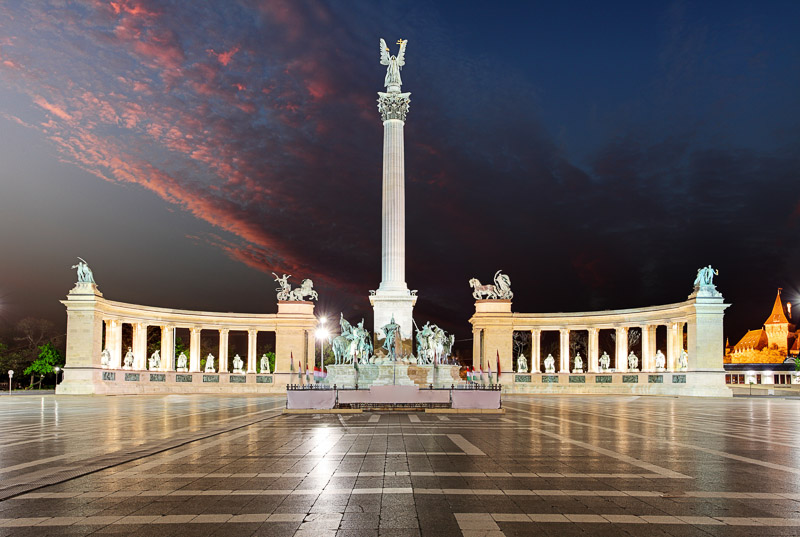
(210, 364)
(155, 360)
(522, 364)
(264, 364)
(683, 360)
(182, 362)
(128, 361)
(84, 272)
(501, 290)
(578, 364)
(633, 362)
(238, 365)
(661, 361)
(285, 291)
(549, 364)
(105, 358)
(605, 362)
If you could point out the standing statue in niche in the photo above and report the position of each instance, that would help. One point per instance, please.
(105, 358)
(549, 364)
(501, 290)
(238, 365)
(390, 344)
(661, 361)
(394, 64)
(605, 362)
(633, 362)
(683, 360)
(210, 363)
(155, 360)
(264, 364)
(522, 364)
(182, 363)
(578, 364)
(84, 272)
(128, 362)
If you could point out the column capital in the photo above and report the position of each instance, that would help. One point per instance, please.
(195, 329)
(536, 330)
(224, 330)
(564, 330)
(167, 326)
(393, 105)
(252, 331)
(593, 330)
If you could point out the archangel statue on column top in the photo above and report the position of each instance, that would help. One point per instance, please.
(394, 65)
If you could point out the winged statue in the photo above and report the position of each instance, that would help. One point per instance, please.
(394, 64)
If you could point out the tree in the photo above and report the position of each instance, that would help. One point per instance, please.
(32, 334)
(49, 358)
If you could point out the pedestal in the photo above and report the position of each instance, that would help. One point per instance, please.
(400, 305)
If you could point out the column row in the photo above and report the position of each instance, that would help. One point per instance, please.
(135, 357)
(652, 358)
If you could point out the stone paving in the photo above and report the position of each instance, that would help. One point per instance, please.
(225, 465)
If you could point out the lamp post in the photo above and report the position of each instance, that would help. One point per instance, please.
(56, 369)
(10, 376)
(322, 334)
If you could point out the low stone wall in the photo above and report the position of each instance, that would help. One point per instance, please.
(692, 383)
(125, 382)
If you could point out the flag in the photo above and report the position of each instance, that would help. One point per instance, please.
(470, 374)
(480, 368)
(489, 365)
(498, 366)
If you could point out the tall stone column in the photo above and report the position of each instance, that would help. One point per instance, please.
(672, 345)
(194, 349)
(114, 344)
(647, 356)
(536, 350)
(223, 350)
(564, 340)
(139, 346)
(393, 299)
(594, 350)
(622, 349)
(167, 347)
(252, 338)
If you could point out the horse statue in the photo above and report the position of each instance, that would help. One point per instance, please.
(306, 289)
(501, 289)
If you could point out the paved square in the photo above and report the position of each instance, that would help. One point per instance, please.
(235, 465)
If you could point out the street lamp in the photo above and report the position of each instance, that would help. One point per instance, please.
(322, 335)
(10, 376)
(56, 369)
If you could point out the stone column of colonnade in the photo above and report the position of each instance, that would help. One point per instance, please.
(252, 338)
(536, 350)
(622, 348)
(167, 348)
(646, 359)
(222, 359)
(194, 349)
(564, 351)
(114, 342)
(594, 350)
(139, 346)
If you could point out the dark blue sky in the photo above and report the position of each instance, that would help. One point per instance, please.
(599, 153)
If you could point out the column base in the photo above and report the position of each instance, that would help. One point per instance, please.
(400, 305)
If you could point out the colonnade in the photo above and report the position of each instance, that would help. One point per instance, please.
(674, 346)
(697, 321)
(90, 316)
(113, 342)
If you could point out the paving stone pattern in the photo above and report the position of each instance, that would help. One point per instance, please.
(552, 465)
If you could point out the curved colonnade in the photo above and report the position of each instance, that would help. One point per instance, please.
(91, 319)
(699, 319)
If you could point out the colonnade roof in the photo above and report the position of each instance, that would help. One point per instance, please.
(583, 320)
(135, 313)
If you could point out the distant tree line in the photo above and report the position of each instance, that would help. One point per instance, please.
(32, 349)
